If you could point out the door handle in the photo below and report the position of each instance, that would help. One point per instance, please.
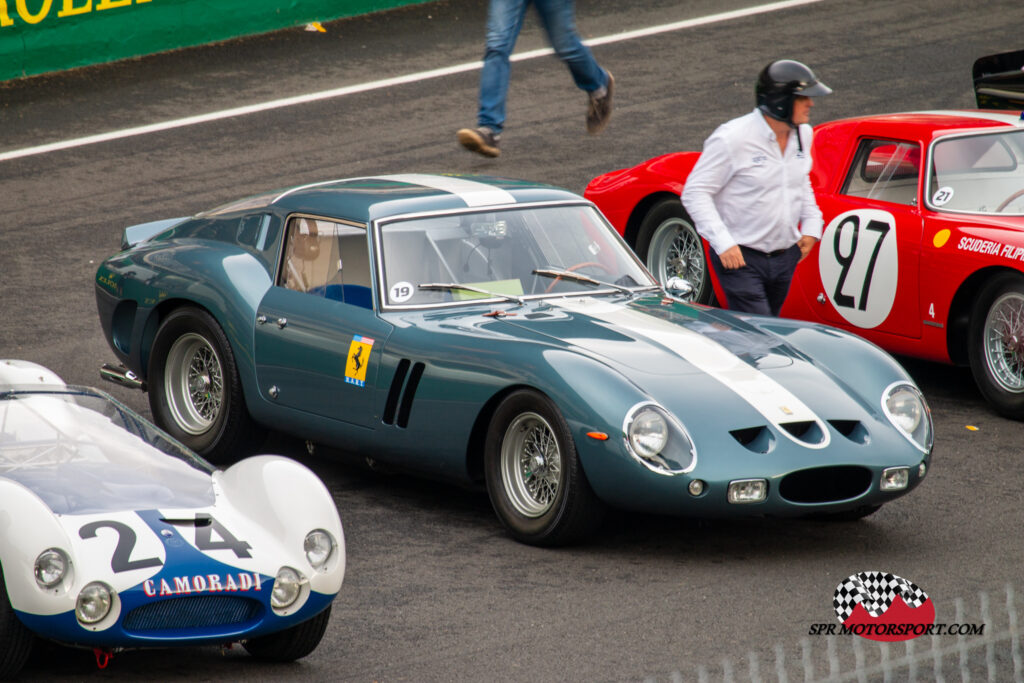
(280, 322)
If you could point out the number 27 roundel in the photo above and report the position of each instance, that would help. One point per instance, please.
(859, 265)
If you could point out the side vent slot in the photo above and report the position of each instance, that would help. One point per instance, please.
(395, 391)
(410, 394)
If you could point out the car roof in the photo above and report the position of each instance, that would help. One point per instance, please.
(370, 198)
(927, 125)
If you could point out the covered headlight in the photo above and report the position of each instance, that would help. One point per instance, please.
(287, 588)
(319, 547)
(906, 408)
(656, 439)
(94, 603)
(51, 567)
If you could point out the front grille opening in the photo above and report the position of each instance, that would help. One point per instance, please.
(851, 429)
(825, 484)
(807, 431)
(756, 439)
(192, 612)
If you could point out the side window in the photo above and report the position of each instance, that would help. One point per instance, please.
(885, 170)
(327, 259)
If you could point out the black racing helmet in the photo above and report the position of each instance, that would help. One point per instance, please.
(780, 82)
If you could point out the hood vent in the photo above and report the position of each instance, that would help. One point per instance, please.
(756, 439)
(805, 431)
(851, 429)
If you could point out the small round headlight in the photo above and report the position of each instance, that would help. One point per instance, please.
(287, 586)
(94, 603)
(905, 407)
(648, 433)
(51, 567)
(319, 547)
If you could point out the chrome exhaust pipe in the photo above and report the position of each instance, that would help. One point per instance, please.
(122, 376)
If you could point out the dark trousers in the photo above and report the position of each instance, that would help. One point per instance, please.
(761, 285)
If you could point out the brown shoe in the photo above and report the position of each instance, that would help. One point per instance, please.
(599, 109)
(480, 140)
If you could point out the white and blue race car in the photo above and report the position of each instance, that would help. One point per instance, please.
(114, 536)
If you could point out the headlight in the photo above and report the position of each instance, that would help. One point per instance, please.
(51, 567)
(94, 603)
(657, 440)
(648, 433)
(906, 408)
(319, 547)
(287, 587)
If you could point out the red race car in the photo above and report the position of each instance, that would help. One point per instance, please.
(923, 248)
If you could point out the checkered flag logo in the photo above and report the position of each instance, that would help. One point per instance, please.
(875, 591)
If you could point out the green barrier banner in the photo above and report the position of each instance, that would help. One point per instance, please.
(38, 36)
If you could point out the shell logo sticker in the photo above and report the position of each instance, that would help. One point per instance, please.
(358, 359)
(883, 607)
(859, 265)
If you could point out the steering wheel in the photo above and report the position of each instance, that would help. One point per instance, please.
(576, 267)
(1006, 202)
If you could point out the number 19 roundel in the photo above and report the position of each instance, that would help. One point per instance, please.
(859, 265)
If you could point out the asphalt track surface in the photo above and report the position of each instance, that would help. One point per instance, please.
(435, 591)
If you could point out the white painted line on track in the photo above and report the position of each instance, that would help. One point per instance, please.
(388, 82)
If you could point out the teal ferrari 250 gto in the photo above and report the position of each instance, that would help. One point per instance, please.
(495, 331)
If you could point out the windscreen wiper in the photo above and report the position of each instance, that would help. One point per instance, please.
(576, 277)
(450, 286)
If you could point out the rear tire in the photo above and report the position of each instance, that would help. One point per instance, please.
(194, 389)
(534, 478)
(995, 345)
(292, 643)
(670, 246)
(15, 640)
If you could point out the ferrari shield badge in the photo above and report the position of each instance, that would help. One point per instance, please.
(358, 358)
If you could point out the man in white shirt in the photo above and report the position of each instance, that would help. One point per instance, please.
(750, 192)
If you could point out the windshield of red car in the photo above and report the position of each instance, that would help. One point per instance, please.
(978, 174)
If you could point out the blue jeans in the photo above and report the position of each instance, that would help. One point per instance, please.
(761, 285)
(504, 21)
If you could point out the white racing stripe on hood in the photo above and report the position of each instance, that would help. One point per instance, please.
(768, 397)
(470, 191)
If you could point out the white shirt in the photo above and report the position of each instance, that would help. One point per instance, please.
(745, 190)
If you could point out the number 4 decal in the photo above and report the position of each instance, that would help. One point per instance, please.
(205, 528)
(859, 265)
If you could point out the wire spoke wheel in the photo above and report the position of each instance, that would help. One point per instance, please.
(194, 382)
(531, 465)
(669, 244)
(676, 251)
(1004, 341)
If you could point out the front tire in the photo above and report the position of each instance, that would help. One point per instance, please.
(670, 246)
(15, 640)
(995, 345)
(194, 389)
(292, 643)
(534, 478)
